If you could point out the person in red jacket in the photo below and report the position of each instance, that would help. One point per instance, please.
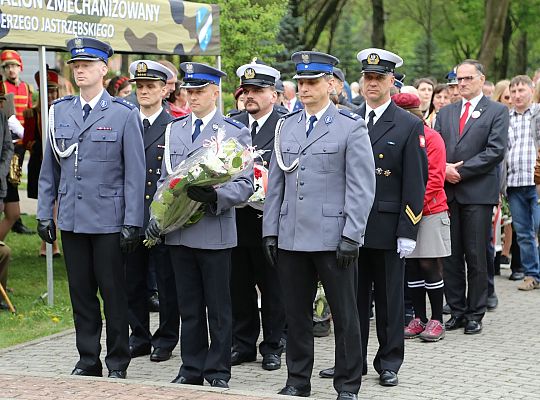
(424, 265)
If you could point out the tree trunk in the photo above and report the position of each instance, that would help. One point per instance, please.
(496, 12)
(505, 57)
(377, 35)
(521, 56)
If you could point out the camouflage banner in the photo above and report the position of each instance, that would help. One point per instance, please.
(149, 26)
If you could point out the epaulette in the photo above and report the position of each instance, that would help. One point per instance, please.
(281, 110)
(179, 118)
(349, 114)
(68, 97)
(292, 113)
(233, 113)
(234, 122)
(124, 102)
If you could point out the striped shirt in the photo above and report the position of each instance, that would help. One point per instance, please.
(522, 144)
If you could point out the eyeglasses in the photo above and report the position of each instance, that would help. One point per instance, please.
(466, 79)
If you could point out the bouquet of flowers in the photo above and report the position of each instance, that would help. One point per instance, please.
(261, 183)
(217, 162)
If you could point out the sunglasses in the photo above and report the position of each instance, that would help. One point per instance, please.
(506, 97)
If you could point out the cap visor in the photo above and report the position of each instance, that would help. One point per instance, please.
(256, 82)
(376, 70)
(189, 85)
(146, 78)
(85, 58)
(306, 76)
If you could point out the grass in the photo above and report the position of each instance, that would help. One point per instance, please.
(28, 279)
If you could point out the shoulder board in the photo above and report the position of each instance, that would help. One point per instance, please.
(233, 113)
(349, 114)
(68, 97)
(292, 113)
(124, 102)
(234, 122)
(281, 110)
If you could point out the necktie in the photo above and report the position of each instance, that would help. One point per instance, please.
(146, 124)
(312, 120)
(254, 126)
(370, 120)
(86, 111)
(197, 130)
(289, 105)
(463, 119)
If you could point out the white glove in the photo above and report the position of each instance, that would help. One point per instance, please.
(405, 246)
(15, 126)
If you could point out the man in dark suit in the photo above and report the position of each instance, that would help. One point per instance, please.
(475, 132)
(249, 267)
(150, 78)
(398, 143)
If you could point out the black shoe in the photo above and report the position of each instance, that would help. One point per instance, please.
(153, 303)
(298, 391)
(347, 396)
(492, 302)
(159, 354)
(118, 374)
(446, 309)
(86, 372)
(455, 323)
(504, 260)
(388, 378)
(271, 362)
(321, 329)
(473, 327)
(516, 276)
(139, 351)
(328, 372)
(238, 358)
(219, 383)
(185, 381)
(19, 227)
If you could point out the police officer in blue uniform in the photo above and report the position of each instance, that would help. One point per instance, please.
(249, 267)
(92, 168)
(150, 78)
(201, 253)
(320, 191)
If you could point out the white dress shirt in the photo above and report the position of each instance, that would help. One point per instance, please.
(474, 102)
(92, 102)
(318, 115)
(378, 111)
(205, 120)
(260, 121)
(152, 118)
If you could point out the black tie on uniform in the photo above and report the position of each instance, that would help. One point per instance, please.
(254, 126)
(86, 111)
(146, 124)
(370, 121)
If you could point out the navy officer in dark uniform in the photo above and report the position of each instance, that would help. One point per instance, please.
(249, 267)
(151, 78)
(92, 167)
(201, 253)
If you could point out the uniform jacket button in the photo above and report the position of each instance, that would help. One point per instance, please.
(301, 183)
(159, 158)
(302, 167)
(147, 197)
(303, 153)
(80, 158)
(301, 197)
(79, 177)
(149, 183)
(150, 170)
(79, 196)
(80, 139)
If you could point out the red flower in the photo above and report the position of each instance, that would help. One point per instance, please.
(174, 182)
(257, 172)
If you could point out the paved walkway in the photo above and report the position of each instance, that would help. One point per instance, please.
(501, 363)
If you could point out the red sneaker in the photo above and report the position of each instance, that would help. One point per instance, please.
(414, 329)
(434, 331)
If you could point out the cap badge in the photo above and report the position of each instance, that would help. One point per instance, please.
(142, 68)
(249, 73)
(305, 58)
(189, 68)
(373, 59)
(78, 43)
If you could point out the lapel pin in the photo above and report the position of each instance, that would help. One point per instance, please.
(160, 146)
(328, 119)
(103, 103)
(391, 143)
(475, 114)
(215, 127)
(378, 171)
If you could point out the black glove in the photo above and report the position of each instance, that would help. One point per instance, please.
(153, 231)
(129, 238)
(202, 194)
(347, 252)
(47, 230)
(270, 249)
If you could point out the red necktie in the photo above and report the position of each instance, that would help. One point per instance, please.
(463, 118)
